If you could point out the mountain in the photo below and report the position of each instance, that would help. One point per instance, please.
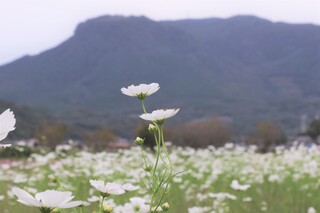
(244, 68)
(28, 119)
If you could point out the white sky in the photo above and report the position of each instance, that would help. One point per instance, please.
(31, 26)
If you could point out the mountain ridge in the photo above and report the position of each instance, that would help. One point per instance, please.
(244, 67)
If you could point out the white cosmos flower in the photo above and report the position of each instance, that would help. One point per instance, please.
(47, 200)
(141, 91)
(108, 188)
(247, 199)
(160, 115)
(136, 205)
(197, 209)
(312, 210)
(129, 187)
(222, 196)
(7, 122)
(236, 186)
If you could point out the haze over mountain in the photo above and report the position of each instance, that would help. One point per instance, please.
(244, 68)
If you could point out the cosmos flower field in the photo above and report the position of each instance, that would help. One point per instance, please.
(229, 179)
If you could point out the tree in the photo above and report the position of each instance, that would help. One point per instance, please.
(52, 134)
(99, 139)
(314, 129)
(266, 135)
(214, 131)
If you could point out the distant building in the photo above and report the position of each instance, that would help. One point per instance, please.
(303, 140)
(120, 143)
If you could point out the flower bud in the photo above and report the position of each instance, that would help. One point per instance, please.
(152, 128)
(165, 207)
(53, 179)
(107, 209)
(139, 141)
(55, 211)
(148, 168)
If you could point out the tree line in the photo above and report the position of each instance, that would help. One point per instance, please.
(198, 134)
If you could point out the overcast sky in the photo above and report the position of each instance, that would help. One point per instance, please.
(31, 26)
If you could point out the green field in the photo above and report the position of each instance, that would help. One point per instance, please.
(286, 181)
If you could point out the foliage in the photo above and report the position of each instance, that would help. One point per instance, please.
(201, 133)
(314, 129)
(99, 139)
(285, 181)
(16, 152)
(267, 135)
(52, 134)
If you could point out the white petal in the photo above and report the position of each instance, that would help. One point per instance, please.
(7, 123)
(25, 197)
(99, 185)
(129, 187)
(145, 89)
(159, 114)
(126, 91)
(52, 198)
(70, 204)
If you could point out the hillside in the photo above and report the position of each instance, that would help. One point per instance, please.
(28, 119)
(244, 68)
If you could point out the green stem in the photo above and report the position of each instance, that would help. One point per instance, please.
(76, 211)
(143, 107)
(156, 139)
(158, 151)
(158, 142)
(143, 156)
(145, 111)
(156, 165)
(170, 166)
(81, 209)
(60, 184)
(101, 205)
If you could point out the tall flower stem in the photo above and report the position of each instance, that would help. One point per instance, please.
(153, 174)
(170, 167)
(156, 185)
(158, 140)
(158, 151)
(143, 156)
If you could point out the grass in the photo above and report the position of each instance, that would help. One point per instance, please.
(286, 182)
